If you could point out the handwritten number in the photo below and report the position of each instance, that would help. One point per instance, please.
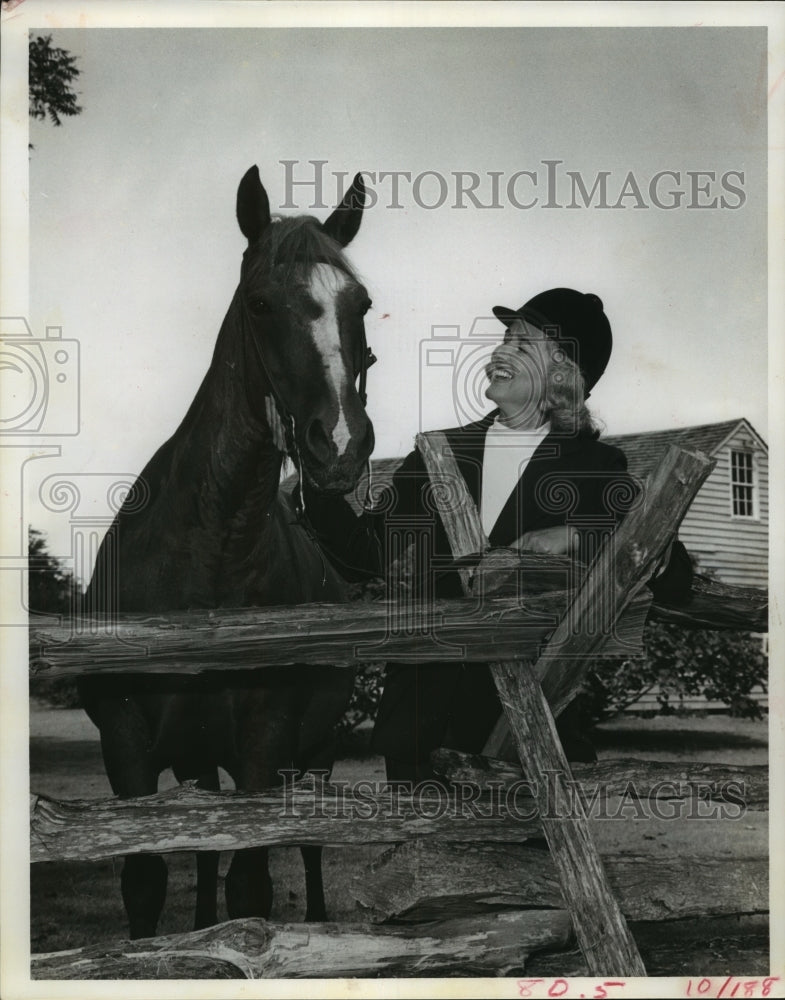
(525, 986)
(560, 987)
(608, 982)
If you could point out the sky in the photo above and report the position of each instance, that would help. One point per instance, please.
(135, 251)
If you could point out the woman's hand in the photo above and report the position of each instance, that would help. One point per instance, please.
(559, 541)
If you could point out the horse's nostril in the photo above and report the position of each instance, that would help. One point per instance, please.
(318, 441)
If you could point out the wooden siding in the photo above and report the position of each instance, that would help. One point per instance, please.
(735, 548)
(692, 703)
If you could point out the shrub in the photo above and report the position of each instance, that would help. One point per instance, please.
(722, 666)
(369, 680)
(368, 684)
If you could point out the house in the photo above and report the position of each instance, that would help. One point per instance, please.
(727, 525)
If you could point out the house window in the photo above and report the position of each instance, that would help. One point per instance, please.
(742, 484)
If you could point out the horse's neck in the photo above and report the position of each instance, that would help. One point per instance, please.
(215, 480)
(229, 448)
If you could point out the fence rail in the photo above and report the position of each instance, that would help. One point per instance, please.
(187, 818)
(497, 626)
(492, 625)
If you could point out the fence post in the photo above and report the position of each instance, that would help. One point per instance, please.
(601, 930)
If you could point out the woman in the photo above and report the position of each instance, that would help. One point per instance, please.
(541, 480)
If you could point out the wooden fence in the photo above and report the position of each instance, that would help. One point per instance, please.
(465, 890)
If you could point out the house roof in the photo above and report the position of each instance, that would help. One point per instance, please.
(643, 450)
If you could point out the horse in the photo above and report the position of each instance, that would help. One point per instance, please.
(206, 526)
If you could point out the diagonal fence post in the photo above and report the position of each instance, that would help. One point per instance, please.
(620, 572)
(600, 927)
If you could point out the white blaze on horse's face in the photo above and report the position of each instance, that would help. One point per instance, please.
(325, 284)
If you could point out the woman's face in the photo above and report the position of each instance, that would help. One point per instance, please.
(518, 374)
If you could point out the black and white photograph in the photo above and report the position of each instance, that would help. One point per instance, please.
(388, 398)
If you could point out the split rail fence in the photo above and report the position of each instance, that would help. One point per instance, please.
(472, 891)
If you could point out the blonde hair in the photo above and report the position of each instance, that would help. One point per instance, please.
(565, 400)
(565, 395)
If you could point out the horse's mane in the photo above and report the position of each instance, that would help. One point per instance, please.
(295, 244)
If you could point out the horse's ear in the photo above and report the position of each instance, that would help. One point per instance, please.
(344, 223)
(253, 206)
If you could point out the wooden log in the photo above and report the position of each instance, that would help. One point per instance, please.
(711, 603)
(451, 497)
(506, 571)
(186, 818)
(420, 881)
(337, 634)
(714, 946)
(620, 571)
(601, 930)
(716, 605)
(509, 623)
(602, 933)
(496, 944)
(746, 786)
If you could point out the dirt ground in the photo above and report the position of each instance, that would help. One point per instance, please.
(78, 904)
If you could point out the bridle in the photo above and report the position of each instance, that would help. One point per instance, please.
(367, 358)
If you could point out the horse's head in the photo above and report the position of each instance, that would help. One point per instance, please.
(304, 309)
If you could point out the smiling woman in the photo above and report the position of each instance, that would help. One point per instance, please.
(542, 482)
(533, 381)
(546, 367)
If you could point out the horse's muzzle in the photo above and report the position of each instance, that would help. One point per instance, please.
(328, 471)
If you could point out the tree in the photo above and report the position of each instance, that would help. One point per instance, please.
(52, 590)
(51, 586)
(52, 73)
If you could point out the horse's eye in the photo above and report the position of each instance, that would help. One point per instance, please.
(261, 307)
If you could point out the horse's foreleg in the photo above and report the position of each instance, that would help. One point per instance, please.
(268, 725)
(331, 690)
(132, 771)
(314, 886)
(143, 884)
(206, 865)
(206, 889)
(249, 888)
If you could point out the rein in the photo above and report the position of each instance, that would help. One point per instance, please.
(367, 358)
